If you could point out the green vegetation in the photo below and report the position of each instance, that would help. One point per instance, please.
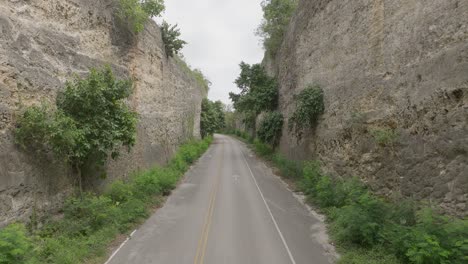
(371, 230)
(197, 74)
(171, 39)
(91, 120)
(309, 106)
(212, 117)
(385, 137)
(136, 12)
(91, 222)
(14, 244)
(276, 17)
(259, 92)
(270, 128)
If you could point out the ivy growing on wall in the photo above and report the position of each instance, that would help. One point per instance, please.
(309, 106)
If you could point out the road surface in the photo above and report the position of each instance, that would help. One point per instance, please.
(230, 209)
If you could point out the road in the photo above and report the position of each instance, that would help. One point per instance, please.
(230, 209)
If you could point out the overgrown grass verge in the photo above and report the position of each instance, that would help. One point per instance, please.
(368, 229)
(90, 223)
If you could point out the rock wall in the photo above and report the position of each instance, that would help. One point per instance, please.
(384, 65)
(42, 44)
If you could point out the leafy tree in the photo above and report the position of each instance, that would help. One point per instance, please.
(136, 12)
(153, 8)
(276, 17)
(171, 38)
(212, 117)
(259, 92)
(90, 121)
(270, 128)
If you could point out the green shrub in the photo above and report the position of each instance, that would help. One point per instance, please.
(270, 128)
(167, 179)
(385, 137)
(288, 168)
(147, 185)
(376, 255)
(178, 163)
(15, 246)
(120, 192)
(309, 106)
(437, 239)
(86, 215)
(171, 39)
(136, 13)
(91, 222)
(276, 17)
(325, 192)
(312, 174)
(131, 211)
(91, 121)
(361, 222)
(262, 149)
(348, 191)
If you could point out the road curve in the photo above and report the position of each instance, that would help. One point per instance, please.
(229, 209)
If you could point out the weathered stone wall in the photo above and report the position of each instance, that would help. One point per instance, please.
(42, 43)
(384, 65)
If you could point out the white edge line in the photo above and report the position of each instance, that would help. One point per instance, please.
(269, 211)
(121, 245)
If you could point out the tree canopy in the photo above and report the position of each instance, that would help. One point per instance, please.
(259, 92)
(276, 17)
(212, 117)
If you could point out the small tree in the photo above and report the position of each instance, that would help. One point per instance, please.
(259, 92)
(212, 117)
(171, 38)
(91, 121)
(136, 12)
(276, 17)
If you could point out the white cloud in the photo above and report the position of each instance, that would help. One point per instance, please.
(220, 34)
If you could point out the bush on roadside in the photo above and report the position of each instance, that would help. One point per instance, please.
(370, 230)
(361, 222)
(15, 246)
(91, 222)
(270, 129)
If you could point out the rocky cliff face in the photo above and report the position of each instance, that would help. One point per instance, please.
(44, 42)
(390, 66)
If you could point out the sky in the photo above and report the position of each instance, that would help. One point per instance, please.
(220, 34)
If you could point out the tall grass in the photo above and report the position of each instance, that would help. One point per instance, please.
(368, 229)
(91, 222)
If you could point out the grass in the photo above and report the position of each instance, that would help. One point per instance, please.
(91, 222)
(368, 229)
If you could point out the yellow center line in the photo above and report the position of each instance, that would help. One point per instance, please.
(203, 241)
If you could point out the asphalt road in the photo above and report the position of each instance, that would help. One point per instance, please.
(230, 209)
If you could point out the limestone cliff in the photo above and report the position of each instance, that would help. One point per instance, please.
(384, 65)
(44, 42)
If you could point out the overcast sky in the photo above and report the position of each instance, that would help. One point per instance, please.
(220, 34)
